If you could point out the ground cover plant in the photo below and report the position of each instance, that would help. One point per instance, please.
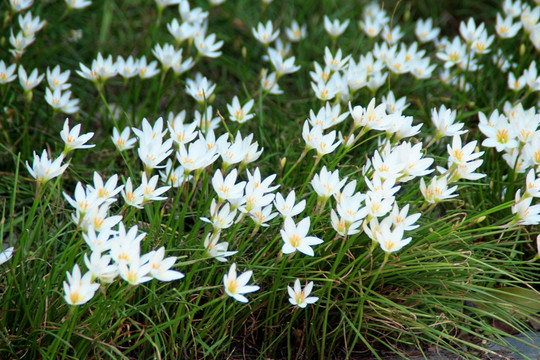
(274, 179)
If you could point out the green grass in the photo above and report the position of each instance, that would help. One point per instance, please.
(463, 274)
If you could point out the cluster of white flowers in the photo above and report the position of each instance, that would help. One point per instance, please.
(525, 213)
(55, 94)
(116, 253)
(282, 65)
(29, 26)
(514, 132)
(182, 151)
(106, 68)
(44, 169)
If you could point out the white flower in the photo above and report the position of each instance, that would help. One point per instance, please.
(59, 100)
(100, 266)
(127, 68)
(469, 32)
(282, 66)
(335, 28)
(20, 43)
(296, 33)
(98, 242)
(78, 4)
(530, 17)
(29, 82)
(287, 206)
(525, 214)
(301, 297)
(18, 5)
(5, 255)
(424, 30)
(269, 83)
(400, 218)
(97, 217)
(30, 25)
(44, 169)
(341, 227)
(167, 55)
(227, 188)
(122, 140)
(265, 33)
(323, 91)
(147, 71)
(512, 8)
(84, 200)
(236, 286)
(391, 240)
(371, 26)
(437, 190)
(160, 267)
(222, 218)
(7, 74)
(57, 79)
(215, 249)
(132, 198)
(392, 35)
(181, 32)
(327, 183)
(295, 237)
(208, 47)
(534, 36)
(461, 155)
(105, 191)
(532, 184)
(72, 139)
(79, 290)
(443, 119)
(197, 156)
(504, 27)
(164, 3)
(173, 177)
(149, 191)
(239, 113)
(195, 15)
(135, 272)
(261, 215)
(200, 89)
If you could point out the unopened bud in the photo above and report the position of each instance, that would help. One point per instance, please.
(28, 95)
(282, 163)
(407, 14)
(480, 219)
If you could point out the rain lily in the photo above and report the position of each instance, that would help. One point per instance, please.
(236, 286)
(300, 297)
(295, 237)
(79, 289)
(43, 169)
(72, 139)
